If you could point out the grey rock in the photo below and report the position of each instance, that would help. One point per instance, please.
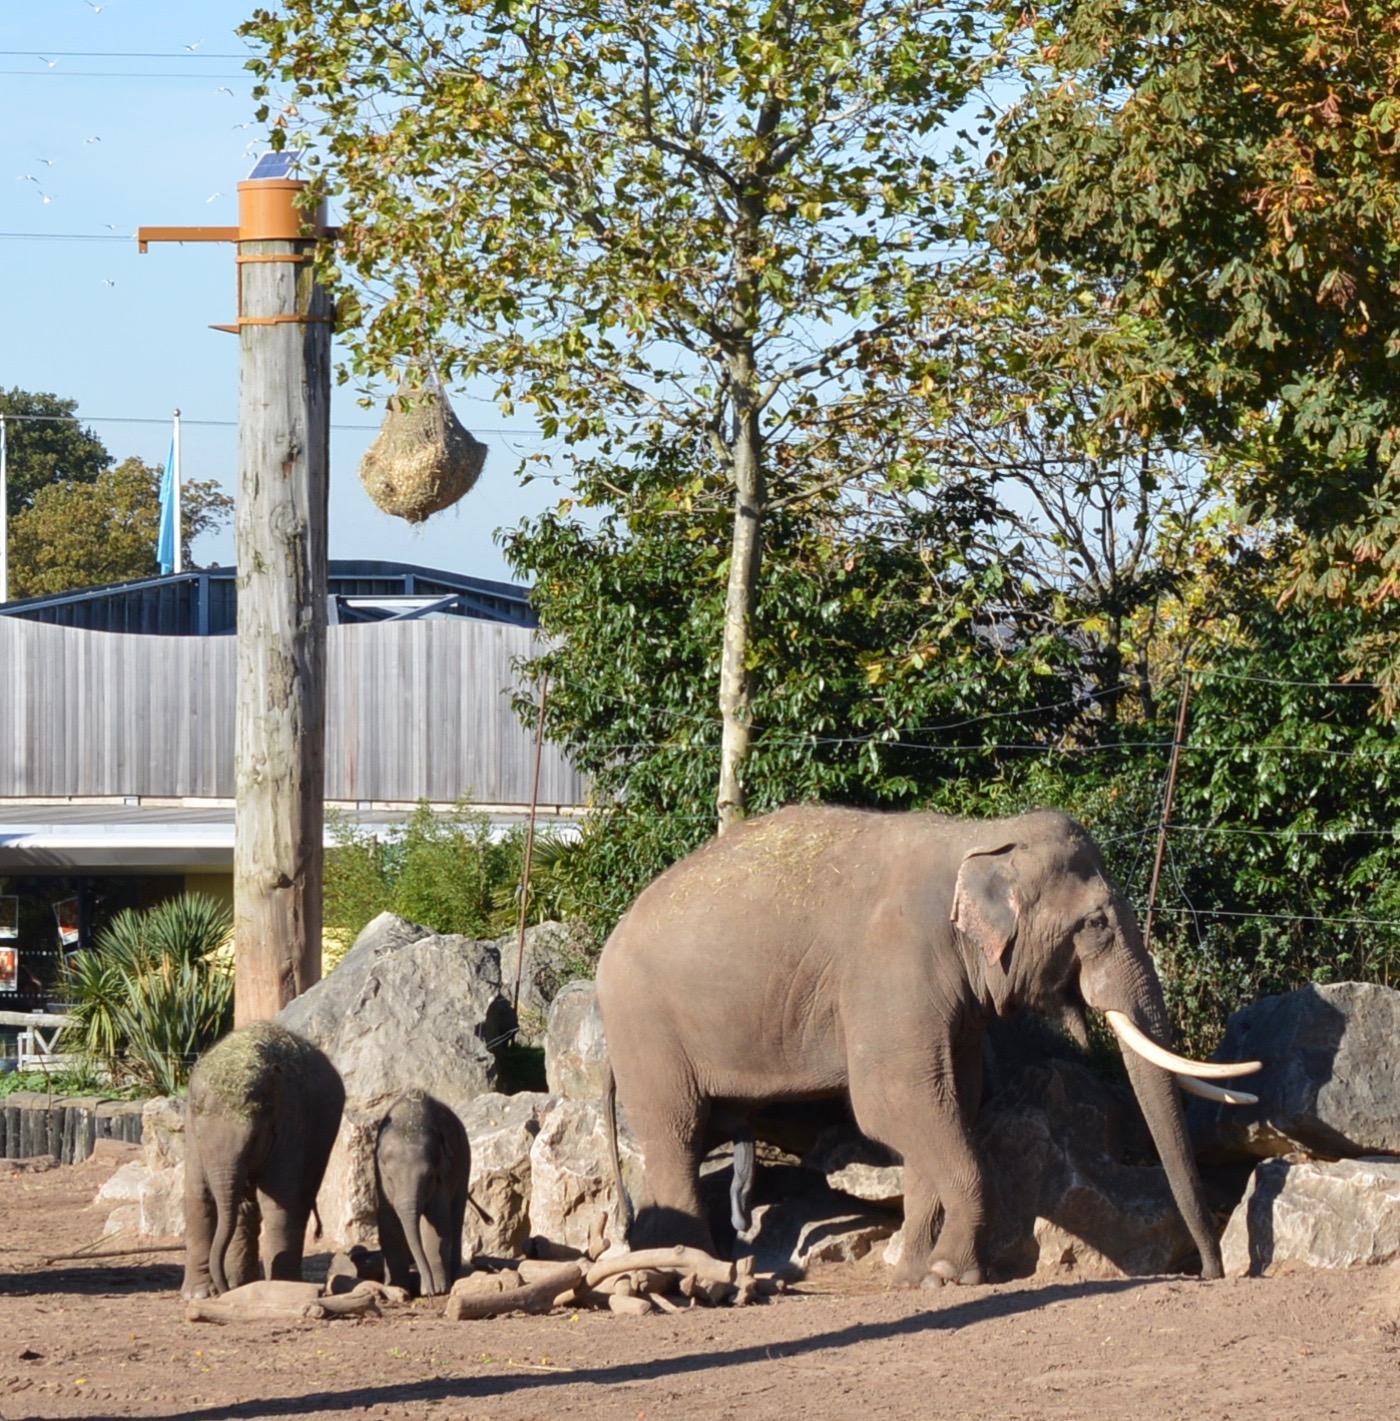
(501, 1130)
(163, 1131)
(550, 960)
(575, 1050)
(408, 1008)
(856, 1166)
(1315, 1214)
(1330, 1083)
(571, 1176)
(124, 1187)
(1059, 1196)
(816, 1226)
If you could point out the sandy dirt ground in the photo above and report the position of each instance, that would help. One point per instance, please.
(100, 1339)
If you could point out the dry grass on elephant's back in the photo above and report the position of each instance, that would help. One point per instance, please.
(424, 459)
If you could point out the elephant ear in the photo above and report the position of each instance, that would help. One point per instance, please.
(986, 901)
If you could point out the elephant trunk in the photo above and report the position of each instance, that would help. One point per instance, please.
(1136, 994)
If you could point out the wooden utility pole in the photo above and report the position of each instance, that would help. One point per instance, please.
(284, 332)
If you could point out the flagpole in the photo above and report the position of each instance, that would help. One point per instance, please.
(179, 549)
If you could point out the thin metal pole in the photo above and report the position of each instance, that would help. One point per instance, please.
(1178, 741)
(529, 843)
(179, 548)
(4, 510)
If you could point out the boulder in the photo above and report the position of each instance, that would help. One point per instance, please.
(407, 1008)
(1331, 1079)
(571, 1176)
(1058, 1192)
(575, 1051)
(816, 1225)
(1315, 1214)
(163, 1131)
(855, 1166)
(502, 1130)
(552, 957)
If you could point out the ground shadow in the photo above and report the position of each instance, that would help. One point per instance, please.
(91, 1281)
(984, 1308)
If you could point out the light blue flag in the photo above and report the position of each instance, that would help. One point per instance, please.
(165, 544)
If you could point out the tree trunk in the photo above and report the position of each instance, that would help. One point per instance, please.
(279, 758)
(745, 557)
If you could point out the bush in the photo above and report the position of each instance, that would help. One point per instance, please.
(153, 994)
(446, 871)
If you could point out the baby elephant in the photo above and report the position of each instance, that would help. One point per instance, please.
(264, 1109)
(422, 1164)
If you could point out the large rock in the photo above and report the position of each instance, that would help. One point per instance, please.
(1315, 1214)
(502, 1131)
(857, 1167)
(407, 1008)
(575, 1050)
(148, 1194)
(552, 957)
(1331, 1079)
(1059, 1194)
(571, 1175)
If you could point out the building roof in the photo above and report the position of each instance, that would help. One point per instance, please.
(205, 602)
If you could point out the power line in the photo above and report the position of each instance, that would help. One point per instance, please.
(115, 54)
(114, 74)
(228, 423)
(64, 237)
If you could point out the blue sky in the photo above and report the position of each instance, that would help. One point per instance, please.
(137, 112)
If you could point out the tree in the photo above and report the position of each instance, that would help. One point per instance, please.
(890, 660)
(1228, 172)
(648, 220)
(85, 534)
(46, 445)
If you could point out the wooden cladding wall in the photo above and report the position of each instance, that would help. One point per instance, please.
(415, 710)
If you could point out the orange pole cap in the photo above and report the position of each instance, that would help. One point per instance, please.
(268, 212)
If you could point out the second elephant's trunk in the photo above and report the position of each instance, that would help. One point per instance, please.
(431, 1272)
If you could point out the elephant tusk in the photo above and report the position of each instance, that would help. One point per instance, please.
(1149, 1050)
(1214, 1092)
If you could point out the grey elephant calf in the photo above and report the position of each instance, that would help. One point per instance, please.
(264, 1109)
(422, 1166)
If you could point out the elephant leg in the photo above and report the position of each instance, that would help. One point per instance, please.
(241, 1262)
(925, 1123)
(200, 1219)
(670, 1126)
(398, 1261)
(457, 1221)
(283, 1237)
(435, 1231)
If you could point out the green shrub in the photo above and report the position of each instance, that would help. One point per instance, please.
(153, 994)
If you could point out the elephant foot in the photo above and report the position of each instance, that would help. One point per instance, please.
(196, 1292)
(942, 1273)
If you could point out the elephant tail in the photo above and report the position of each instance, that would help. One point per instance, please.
(624, 1204)
(320, 1227)
(484, 1216)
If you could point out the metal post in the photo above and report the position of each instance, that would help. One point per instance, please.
(179, 531)
(530, 842)
(1177, 742)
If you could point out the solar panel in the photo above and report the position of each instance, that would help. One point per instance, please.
(275, 165)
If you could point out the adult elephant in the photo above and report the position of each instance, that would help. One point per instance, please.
(264, 1109)
(820, 951)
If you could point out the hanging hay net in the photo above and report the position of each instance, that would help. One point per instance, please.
(423, 460)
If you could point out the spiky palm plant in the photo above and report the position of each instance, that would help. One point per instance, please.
(154, 993)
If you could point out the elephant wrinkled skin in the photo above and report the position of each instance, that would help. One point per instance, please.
(819, 951)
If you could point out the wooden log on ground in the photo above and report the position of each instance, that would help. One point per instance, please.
(679, 1260)
(629, 1305)
(532, 1298)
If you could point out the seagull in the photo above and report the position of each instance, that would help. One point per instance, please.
(212, 196)
(45, 196)
(26, 178)
(107, 281)
(94, 139)
(111, 226)
(98, 9)
(194, 46)
(48, 162)
(224, 89)
(50, 62)
(238, 126)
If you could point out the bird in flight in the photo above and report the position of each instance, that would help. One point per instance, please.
(26, 178)
(98, 9)
(93, 139)
(212, 196)
(48, 162)
(194, 46)
(224, 89)
(50, 62)
(107, 281)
